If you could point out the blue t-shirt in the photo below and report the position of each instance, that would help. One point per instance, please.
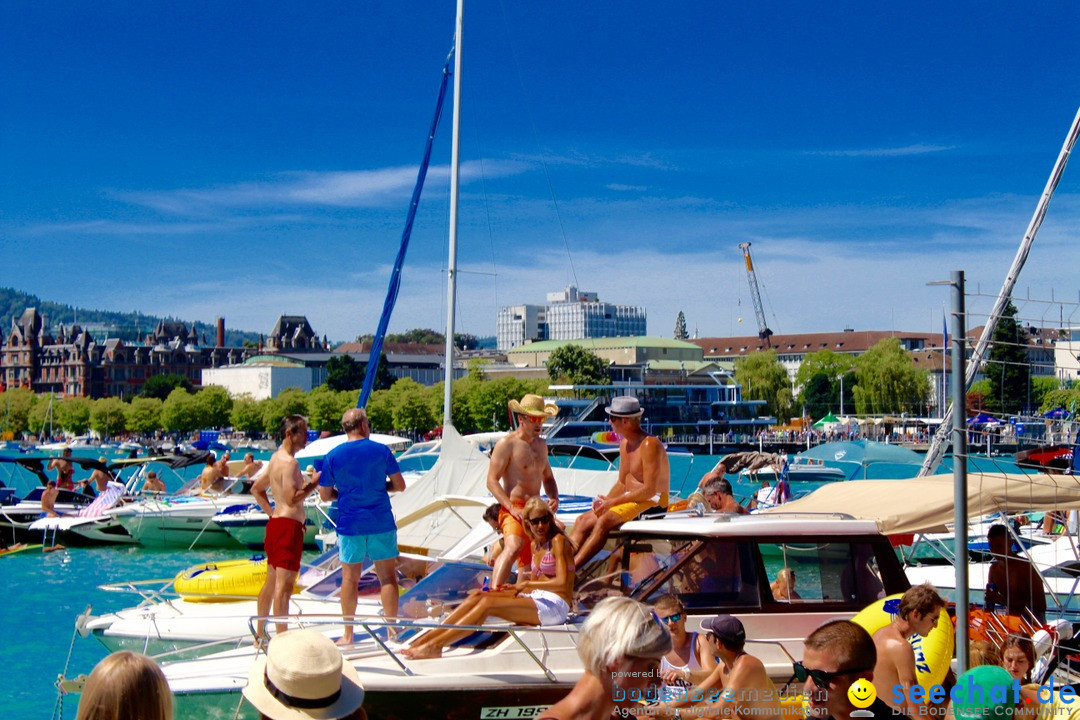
(358, 469)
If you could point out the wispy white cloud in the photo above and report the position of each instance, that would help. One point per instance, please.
(618, 187)
(916, 149)
(353, 189)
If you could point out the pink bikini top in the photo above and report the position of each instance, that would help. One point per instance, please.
(546, 566)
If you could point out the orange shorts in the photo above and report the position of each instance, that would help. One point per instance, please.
(510, 526)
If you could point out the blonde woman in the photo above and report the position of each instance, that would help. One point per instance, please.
(126, 685)
(621, 644)
(543, 600)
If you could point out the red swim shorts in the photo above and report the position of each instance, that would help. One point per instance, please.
(284, 543)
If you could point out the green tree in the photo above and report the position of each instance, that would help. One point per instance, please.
(344, 373)
(819, 377)
(1067, 398)
(74, 414)
(246, 414)
(160, 386)
(143, 415)
(325, 408)
(680, 327)
(291, 401)
(107, 416)
(888, 382)
(1040, 388)
(179, 412)
(44, 412)
(412, 411)
(1007, 368)
(384, 380)
(380, 411)
(576, 365)
(214, 406)
(487, 403)
(15, 404)
(763, 378)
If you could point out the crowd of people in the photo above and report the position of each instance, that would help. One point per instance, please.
(623, 644)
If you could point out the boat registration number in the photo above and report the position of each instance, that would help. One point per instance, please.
(516, 711)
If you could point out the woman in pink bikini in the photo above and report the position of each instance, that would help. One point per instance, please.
(543, 600)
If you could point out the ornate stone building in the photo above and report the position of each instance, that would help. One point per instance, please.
(75, 364)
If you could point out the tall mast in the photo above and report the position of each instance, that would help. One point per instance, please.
(451, 266)
(937, 445)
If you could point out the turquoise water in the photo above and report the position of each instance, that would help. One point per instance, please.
(48, 591)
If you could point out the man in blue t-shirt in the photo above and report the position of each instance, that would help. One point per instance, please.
(355, 473)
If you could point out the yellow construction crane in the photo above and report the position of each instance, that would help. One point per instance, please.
(763, 328)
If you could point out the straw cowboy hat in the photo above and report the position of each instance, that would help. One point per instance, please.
(302, 676)
(534, 406)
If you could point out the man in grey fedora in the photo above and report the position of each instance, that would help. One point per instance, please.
(644, 480)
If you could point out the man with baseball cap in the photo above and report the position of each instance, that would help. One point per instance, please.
(301, 676)
(644, 480)
(747, 692)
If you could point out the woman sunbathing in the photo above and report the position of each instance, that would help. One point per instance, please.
(544, 600)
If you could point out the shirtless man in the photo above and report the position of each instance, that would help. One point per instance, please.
(211, 478)
(223, 464)
(918, 613)
(1012, 581)
(644, 480)
(153, 483)
(64, 470)
(251, 466)
(520, 461)
(48, 500)
(284, 541)
(739, 687)
(100, 477)
(718, 494)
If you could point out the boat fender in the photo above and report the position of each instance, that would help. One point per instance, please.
(933, 653)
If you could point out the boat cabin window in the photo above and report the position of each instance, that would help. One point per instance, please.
(703, 573)
(828, 572)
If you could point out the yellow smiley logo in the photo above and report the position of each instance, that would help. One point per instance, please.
(862, 693)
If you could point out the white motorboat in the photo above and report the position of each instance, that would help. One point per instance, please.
(716, 563)
(247, 523)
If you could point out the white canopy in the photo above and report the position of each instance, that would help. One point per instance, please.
(926, 504)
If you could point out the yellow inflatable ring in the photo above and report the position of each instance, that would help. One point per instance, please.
(222, 581)
(933, 653)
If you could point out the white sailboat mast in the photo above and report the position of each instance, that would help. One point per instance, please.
(451, 266)
(938, 444)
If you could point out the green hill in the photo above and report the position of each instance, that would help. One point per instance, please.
(126, 326)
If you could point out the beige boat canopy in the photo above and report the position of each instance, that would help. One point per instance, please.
(925, 504)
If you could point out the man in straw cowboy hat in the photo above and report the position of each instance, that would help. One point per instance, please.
(302, 675)
(644, 480)
(520, 462)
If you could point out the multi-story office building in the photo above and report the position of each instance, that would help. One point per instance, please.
(569, 315)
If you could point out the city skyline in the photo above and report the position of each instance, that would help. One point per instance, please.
(199, 161)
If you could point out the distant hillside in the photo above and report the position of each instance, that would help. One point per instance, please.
(126, 326)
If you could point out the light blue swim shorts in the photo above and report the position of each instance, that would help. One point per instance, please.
(381, 546)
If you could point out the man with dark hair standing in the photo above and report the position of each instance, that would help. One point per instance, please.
(355, 472)
(835, 656)
(284, 541)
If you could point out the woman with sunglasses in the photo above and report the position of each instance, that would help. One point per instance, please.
(689, 661)
(543, 600)
(620, 647)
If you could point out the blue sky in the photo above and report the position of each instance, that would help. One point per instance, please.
(249, 160)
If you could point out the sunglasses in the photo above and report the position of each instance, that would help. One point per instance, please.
(534, 418)
(543, 520)
(672, 618)
(822, 678)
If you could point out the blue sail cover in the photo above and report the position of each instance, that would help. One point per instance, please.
(395, 275)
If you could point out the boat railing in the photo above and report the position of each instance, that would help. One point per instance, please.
(371, 624)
